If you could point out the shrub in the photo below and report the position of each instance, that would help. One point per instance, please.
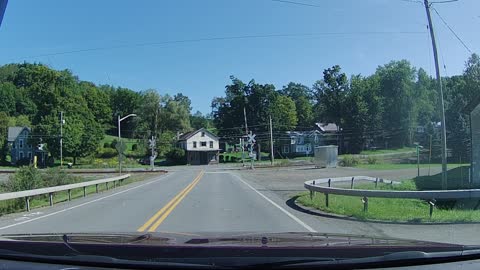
(176, 156)
(107, 145)
(107, 153)
(25, 178)
(23, 162)
(349, 161)
(372, 160)
(113, 143)
(134, 147)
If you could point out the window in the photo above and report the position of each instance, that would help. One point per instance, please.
(211, 144)
(21, 155)
(203, 144)
(29, 155)
(21, 143)
(203, 133)
(286, 148)
(194, 144)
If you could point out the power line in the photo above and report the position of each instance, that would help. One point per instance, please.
(451, 30)
(185, 41)
(296, 3)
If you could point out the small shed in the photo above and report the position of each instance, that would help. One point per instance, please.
(474, 111)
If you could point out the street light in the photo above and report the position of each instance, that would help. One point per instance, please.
(120, 119)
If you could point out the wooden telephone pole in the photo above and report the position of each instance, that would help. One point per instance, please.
(440, 92)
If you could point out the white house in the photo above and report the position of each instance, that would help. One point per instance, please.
(201, 147)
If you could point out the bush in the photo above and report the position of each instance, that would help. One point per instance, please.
(134, 147)
(25, 178)
(349, 161)
(107, 145)
(113, 143)
(23, 162)
(372, 160)
(107, 153)
(176, 156)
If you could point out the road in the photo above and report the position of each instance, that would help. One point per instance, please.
(191, 200)
(209, 199)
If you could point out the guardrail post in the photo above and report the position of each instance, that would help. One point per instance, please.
(106, 185)
(376, 182)
(432, 205)
(96, 188)
(311, 195)
(351, 185)
(84, 191)
(50, 196)
(365, 204)
(69, 194)
(327, 202)
(27, 203)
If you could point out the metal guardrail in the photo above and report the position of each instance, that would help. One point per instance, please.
(324, 186)
(27, 194)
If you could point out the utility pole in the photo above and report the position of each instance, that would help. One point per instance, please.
(61, 139)
(441, 103)
(271, 142)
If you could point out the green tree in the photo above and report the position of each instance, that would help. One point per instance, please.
(301, 95)
(330, 94)
(396, 80)
(7, 101)
(98, 102)
(283, 112)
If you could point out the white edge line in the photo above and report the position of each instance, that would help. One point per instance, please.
(85, 203)
(310, 229)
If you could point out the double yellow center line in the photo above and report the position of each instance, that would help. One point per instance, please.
(163, 213)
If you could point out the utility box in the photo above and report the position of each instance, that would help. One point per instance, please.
(326, 156)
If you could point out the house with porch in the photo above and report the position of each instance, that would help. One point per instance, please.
(201, 147)
(21, 149)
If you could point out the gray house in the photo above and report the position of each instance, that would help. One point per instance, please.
(474, 110)
(19, 144)
(302, 143)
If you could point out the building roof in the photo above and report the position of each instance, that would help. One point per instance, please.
(190, 134)
(327, 127)
(13, 132)
(473, 104)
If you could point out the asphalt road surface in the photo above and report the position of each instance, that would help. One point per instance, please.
(206, 199)
(191, 200)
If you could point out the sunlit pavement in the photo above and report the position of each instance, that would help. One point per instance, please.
(208, 199)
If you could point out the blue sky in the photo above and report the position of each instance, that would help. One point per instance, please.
(363, 35)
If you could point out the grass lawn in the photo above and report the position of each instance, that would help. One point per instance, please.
(405, 210)
(43, 200)
(388, 151)
(392, 166)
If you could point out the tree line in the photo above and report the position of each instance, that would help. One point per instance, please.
(383, 110)
(33, 95)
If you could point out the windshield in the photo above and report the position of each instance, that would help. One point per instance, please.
(358, 118)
